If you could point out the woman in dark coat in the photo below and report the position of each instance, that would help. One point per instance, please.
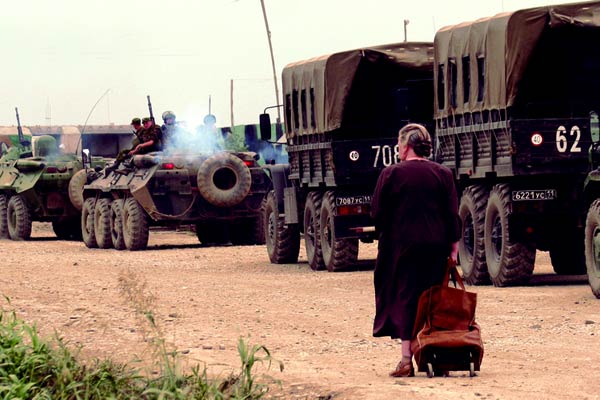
(416, 215)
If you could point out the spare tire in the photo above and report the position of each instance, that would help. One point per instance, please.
(76, 189)
(224, 180)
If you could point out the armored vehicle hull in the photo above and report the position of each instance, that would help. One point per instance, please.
(220, 194)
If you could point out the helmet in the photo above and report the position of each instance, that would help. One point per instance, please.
(210, 119)
(168, 115)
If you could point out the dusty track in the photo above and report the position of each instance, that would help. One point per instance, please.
(541, 341)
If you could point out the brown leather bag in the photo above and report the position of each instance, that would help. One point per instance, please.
(445, 323)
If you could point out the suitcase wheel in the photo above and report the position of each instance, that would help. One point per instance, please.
(429, 370)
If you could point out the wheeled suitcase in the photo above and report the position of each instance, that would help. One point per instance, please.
(446, 336)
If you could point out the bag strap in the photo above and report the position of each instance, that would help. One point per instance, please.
(452, 272)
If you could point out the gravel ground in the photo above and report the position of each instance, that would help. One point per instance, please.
(541, 341)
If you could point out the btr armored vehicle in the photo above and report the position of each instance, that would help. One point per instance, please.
(342, 114)
(219, 192)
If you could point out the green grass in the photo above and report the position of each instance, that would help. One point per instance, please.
(34, 368)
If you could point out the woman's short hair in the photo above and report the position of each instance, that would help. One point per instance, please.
(417, 137)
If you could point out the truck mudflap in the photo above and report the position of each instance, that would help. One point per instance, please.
(354, 226)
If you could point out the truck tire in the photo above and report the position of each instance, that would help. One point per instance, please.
(76, 188)
(135, 225)
(67, 228)
(116, 224)
(87, 223)
(3, 216)
(224, 180)
(568, 256)
(338, 254)
(509, 262)
(282, 241)
(102, 223)
(471, 248)
(18, 218)
(592, 247)
(213, 233)
(312, 231)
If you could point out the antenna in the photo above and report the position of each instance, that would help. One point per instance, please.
(209, 105)
(48, 112)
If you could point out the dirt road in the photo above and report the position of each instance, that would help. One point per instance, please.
(541, 341)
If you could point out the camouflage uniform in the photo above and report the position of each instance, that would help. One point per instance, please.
(153, 133)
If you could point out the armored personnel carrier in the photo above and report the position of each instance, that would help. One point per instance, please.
(38, 182)
(220, 193)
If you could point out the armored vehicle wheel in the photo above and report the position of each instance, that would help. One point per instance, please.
(116, 224)
(3, 216)
(592, 247)
(509, 262)
(19, 219)
(102, 223)
(76, 188)
(215, 233)
(312, 231)
(87, 223)
(568, 255)
(135, 225)
(224, 180)
(471, 248)
(338, 254)
(283, 241)
(67, 229)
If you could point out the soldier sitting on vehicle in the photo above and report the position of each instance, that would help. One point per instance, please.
(170, 130)
(136, 124)
(210, 137)
(149, 138)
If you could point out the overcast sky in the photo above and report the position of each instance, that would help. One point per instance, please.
(60, 57)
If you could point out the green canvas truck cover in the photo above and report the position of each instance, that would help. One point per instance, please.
(505, 42)
(330, 77)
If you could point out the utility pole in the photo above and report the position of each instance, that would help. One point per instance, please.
(231, 101)
(405, 23)
(262, 3)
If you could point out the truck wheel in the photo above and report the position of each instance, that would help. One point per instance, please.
(509, 262)
(76, 188)
(3, 216)
(135, 225)
(312, 231)
(568, 256)
(67, 228)
(471, 248)
(87, 223)
(224, 180)
(116, 224)
(213, 233)
(283, 241)
(592, 247)
(19, 219)
(338, 254)
(102, 223)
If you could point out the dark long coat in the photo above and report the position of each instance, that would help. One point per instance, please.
(415, 208)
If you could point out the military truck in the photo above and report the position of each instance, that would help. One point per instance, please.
(516, 118)
(220, 193)
(41, 181)
(342, 113)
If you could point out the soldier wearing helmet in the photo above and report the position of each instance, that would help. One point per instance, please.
(210, 137)
(169, 129)
(149, 138)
